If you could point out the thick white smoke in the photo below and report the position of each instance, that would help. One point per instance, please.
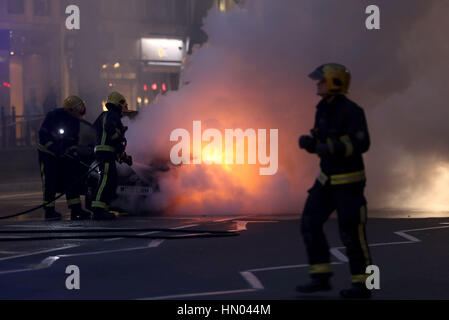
(252, 73)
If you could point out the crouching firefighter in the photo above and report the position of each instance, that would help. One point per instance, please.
(58, 140)
(111, 145)
(340, 137)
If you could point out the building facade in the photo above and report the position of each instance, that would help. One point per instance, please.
(137, 47)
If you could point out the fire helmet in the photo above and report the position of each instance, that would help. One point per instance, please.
(118, 100)
(337, 77)
(75, 106)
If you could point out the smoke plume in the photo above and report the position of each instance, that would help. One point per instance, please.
(252, 73)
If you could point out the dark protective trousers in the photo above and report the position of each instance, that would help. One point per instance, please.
(58, 175)
(350, 204)
(106, 189)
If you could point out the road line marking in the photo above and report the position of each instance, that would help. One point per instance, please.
(39, 252)
(155, 243)
(402, 233)
(255, 283)
(92, 253)
(48, 262)
(201, 294)
(14, 271)
(229, 219)
(338, 254)
(390, 243)
(241, 225)
(153, 232)
(183, 227)
(424, 229)
(252, 280)
(407, 236)
(279, 268)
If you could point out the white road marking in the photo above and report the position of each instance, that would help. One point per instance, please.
(279, 268)
(252, 280)
(153, 232)
(184, 227)
(295, 266)
(200, 294)
(407, 236)
(93, 253)
(229, 219)
(39, 252)
(402, 233)
(155, 243)
(15, 271)
(338, 254)
(241, 225)
(48, 262)
(256, 284)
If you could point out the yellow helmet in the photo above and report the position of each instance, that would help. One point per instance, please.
(117, 100)
(337, 77)
(75, 106)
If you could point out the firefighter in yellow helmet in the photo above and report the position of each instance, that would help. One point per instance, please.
(111, 145)
(57, 147)
(339, 138)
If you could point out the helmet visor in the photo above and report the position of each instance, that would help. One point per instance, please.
(318, 74)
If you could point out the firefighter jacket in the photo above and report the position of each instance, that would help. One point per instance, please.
(59, 133)
(342, 126)
(111, 140)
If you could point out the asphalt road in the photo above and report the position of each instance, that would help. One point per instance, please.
(266, 260)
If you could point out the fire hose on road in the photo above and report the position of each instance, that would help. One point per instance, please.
(104, 233)
(56, 198)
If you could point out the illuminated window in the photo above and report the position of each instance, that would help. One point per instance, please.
(222, 5)
(16, 6)
(41, 7)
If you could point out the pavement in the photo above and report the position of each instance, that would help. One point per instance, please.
(185, 258)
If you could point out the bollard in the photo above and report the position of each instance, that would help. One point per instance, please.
(13, 136)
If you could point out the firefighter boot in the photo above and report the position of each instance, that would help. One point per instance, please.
(101, 214)
(79, 214)
(52, 215)
(316, 283)
(357, 291)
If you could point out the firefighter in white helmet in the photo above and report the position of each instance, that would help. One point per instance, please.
(339, 138)
(111, 145)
